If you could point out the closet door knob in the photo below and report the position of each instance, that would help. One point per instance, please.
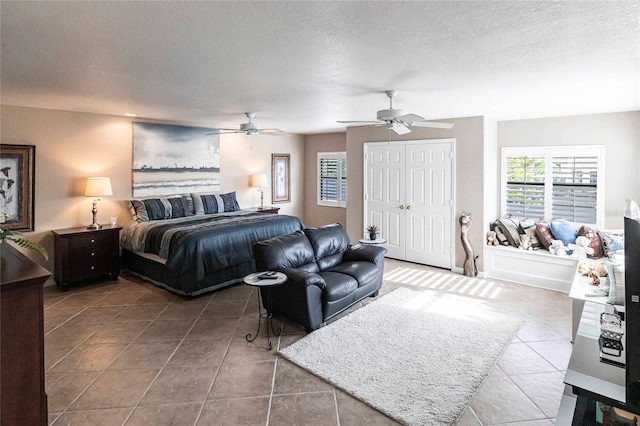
(408, 207)
(401, 206)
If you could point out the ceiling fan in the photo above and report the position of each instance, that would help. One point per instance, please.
(251, 129)
(396, 120)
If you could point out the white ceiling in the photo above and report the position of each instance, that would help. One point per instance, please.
(303, 65)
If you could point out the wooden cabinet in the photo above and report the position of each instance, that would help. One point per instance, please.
(23, 400)
(82, 253)
(265, 209)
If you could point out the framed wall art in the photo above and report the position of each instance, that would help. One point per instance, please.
(17, 183)
(169, 159)
(280, 178)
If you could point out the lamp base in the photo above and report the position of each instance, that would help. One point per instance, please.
(94, 226)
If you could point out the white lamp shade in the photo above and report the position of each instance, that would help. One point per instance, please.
(98, 187)
(258, 181)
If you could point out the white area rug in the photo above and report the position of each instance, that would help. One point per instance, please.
(418, 357)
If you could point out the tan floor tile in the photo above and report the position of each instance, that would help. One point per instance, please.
(166, 329)
(156, 296)
(52, 417)
(521, 359)
(353, 412)
(206, 328)
(141, 312)
(236, 380)
(70, 335)
(469, 418)
(244, 351)
(499, 401)
(145, 354)
(544, 389)
(118, 332)
(235, 412)
(96, 315)
(318, 408)
(107, 417)
(56, 316)
(74, 300)
(557, 352)
(533, 331)
(238, 291)
(206, 352)
(63, 389)
(293, 379)
(120, 298)
(180, 384)
(183, 310)
(88, 357)
(226, 308)
(116, 388)
(165, 415)
(53, 354)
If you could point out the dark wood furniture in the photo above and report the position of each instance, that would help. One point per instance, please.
(23, 400)
(82, 253)
(265, 209)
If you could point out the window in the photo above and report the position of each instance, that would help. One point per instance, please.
(554, 182)
(332, 179)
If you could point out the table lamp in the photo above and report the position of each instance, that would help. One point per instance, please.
(97, 187)
(259, 181)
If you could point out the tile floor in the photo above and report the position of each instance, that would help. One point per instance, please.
(127, 352)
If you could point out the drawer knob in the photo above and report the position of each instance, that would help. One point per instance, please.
(93, 241)
(93, 253)
(93, 267)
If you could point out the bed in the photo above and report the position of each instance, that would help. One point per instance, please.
(199, 253)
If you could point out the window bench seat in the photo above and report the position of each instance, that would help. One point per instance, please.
(537, 268)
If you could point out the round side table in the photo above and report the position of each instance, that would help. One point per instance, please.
(376, 241)
(255, 280)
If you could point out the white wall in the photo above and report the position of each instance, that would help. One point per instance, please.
(618, 132)
(72, 146)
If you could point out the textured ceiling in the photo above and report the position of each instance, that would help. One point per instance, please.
(303, 65)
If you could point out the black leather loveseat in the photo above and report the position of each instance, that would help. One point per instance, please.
(325, 273)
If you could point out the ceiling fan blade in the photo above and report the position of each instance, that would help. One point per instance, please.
(409, 118)
(360, 122)
(401, 129)
(225, 132)
(275, 132)
(433, 124)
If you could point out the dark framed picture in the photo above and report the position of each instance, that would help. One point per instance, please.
(280, 178)
(17, 183)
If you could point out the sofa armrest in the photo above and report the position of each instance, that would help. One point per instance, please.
(362, 252)
(303, 278)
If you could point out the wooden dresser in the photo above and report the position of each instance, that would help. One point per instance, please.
(23, 400)
(82, 253)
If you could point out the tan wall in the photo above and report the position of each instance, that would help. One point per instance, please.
(315, 215)
(469, 155)
(73, 146)
(618, 132)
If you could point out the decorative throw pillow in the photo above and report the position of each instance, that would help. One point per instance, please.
(563, 231)
(230, 202)
(179, 207)
(158, 208)
(207, 203)
(594, 241)
(510, 227)
(138, 211)
(544, 234)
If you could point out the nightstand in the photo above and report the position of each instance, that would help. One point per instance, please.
(265, 209)
(82, 253)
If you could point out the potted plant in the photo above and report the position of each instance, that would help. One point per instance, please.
(373, 231)
(16, 237)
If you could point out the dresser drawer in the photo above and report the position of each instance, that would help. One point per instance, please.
(84, 242)
(90, 254)
(79, 271)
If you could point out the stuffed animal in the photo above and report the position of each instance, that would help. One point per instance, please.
(525, 242)
(558, 248)
(581, 248)
(492, 239)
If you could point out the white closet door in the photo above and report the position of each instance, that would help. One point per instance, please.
(385, 193)
(429, 203)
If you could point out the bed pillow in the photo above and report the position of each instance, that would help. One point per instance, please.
(179, 207)
(159, 208)
(594, 241)
(230, 202)
(544, 234)
(611, 242)
(510, 227)
(563, 231)
(207, 203)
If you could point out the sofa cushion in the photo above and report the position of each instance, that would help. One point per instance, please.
(564, 231)
(363, 272)
(329, 243)
(338, 285)
(285, 251)
(510, 228)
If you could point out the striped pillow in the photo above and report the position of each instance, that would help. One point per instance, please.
(160, 208)
(215, 203)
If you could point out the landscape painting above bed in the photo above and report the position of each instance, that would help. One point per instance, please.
(170, 159)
